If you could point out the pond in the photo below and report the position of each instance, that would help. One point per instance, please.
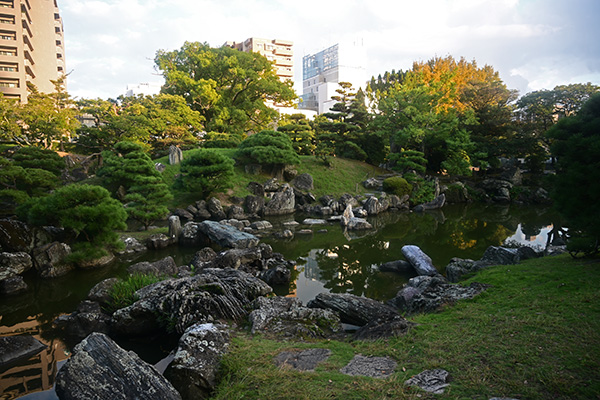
(327, 260)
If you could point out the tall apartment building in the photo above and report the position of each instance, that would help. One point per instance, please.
(279, 52)
(31, 46)
(322, 71)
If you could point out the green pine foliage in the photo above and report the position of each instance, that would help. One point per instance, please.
(146, 200)
(35, 157)
(397, 185)
(205, 171)
(267, 148)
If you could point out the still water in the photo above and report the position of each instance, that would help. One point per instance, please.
(327, 260)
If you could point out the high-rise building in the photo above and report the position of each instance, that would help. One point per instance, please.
(322, 72)
(279, 52)
(31, 46)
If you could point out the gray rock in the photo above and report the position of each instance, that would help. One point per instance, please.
(305, 360)
(435, 204)
(285, 234)
(286, 317)
(203, 258)
(283, 202)
(175, 155)
(49, 260)
(261, 225)
(433, 381)
(174, 227)
(378, 329)
(254, 204)
(227, 236)
(277, 275)
(459, 267)
(184, 214)
(12, 286)
(88, 318)
(272, 185)
(16, 348)
(303, 182)
(420, 261)
(497, 190)
(289, 173)
(256, 189)
(375, 367)
(314, 221)
(236, 212)
(304, 232)
(176, 304)
(132, 246)
(353, 309)
(500, 256)
(100, 369)
(159, 241)
(202, 212)
(374, 206)
(160, 167)
(13, 264)
(194, 371)
(396, 266)
(347, 215)
(100, 293)
(346, 199)
(214, 207)
(372, 183)
(399, 203)
(457, 193)
(356, 223)
(164, 267)
(15, 236)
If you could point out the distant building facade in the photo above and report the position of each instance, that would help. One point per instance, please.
(279, 52)
(322, 71)
(31, 46)
(146, 89)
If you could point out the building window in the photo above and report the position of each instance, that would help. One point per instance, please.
(9, 67)
(58, 42)
(58, 55)
(60, 69)
(56, 16)
(8, 35)
(9, 83)
(6, 4)
(7, 19)
(8, 51)
(57, 29)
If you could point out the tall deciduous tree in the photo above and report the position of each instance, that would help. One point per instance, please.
(228, 87)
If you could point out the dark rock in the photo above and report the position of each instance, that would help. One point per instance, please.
(526, 253)
(286, 317)
(49, 260)
(435, 204)
(379, 329)
(203, 258)
(375, 367)
(272, 185)
(100, 293)
(283, 202)
(261, 225)
(459, 267)
(251, 258)
(500, 256)
(100, 369)
(227, 236)
(97, 262)
(289, 173)
(164, 267)
(303, 182)
(356, 223)
(132, 246)
(16, 348)
(396, 266)
(399, 203)
(254, 204)
(160, 167)
(346, 199)
(15, 236)
(176, 304)
(159, 241)
(278, 275)
(420, 261)
(202, 212)
(512, 175)
(174, 228)
(302, 200)
(184, 215)
(88, 318)
(498, 190)
(326, 200)
(353, 309)
(236, 212)
(191, 234)
(373, 206)
(256, 189)
(457, 193)
(372, 183)
(433, 381)
(213, 205)
(13, 264)
(194, 371)
(305, 360)
(12, 286)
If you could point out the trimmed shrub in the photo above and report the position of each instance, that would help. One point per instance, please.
(397, 185)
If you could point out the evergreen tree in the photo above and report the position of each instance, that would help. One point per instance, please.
(205, 171)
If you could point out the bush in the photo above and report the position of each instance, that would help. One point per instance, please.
(122, 294)
(397, 185)
(34, 157)
(352, 150)
(217, 140)
(423, 190)
(205, 171)
(267, 148)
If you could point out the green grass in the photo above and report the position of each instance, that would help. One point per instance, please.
(533, 335)
(344, 176)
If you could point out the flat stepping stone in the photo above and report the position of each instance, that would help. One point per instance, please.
(15, 348)
(433, 381)
(306, 360)
(375, 367)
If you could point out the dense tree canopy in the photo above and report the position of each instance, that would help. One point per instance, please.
(228, 87)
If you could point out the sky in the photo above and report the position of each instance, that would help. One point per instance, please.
(533, 44)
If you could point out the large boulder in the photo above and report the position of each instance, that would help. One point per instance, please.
(254, 204)
(420, 261)
(176, 304)
(15, 236)
(353, 309)
(303, 182)
(49, 260)
(283, 202)
(88, 318)
(214, 207)
(164, 267)
(372, 184)
(174, 227)
(100, 369)
(12, 286)
(13, 264)
(374, 206)
(457, 193)
(175, 155)
(286, 317)
(356, 224)
(400, 266)
(194, 371)
(100, 293)
(227, 236)
(15, 348)
(497, 190)
(256, 189)
(435, 204)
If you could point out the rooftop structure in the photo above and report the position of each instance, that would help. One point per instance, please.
(31, 46)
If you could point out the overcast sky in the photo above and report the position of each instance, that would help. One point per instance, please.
(533, 44)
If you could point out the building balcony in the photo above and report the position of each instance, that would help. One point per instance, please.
(283, 42)
(284, 72)
(283, 62)
(283, 52)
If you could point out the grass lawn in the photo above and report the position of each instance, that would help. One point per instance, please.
(344, 176)
(535, 334)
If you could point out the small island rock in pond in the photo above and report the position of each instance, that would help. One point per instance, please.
(227, 236)
(419, 260)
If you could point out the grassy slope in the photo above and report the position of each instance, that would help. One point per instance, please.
(343, 177)
(533, 335)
